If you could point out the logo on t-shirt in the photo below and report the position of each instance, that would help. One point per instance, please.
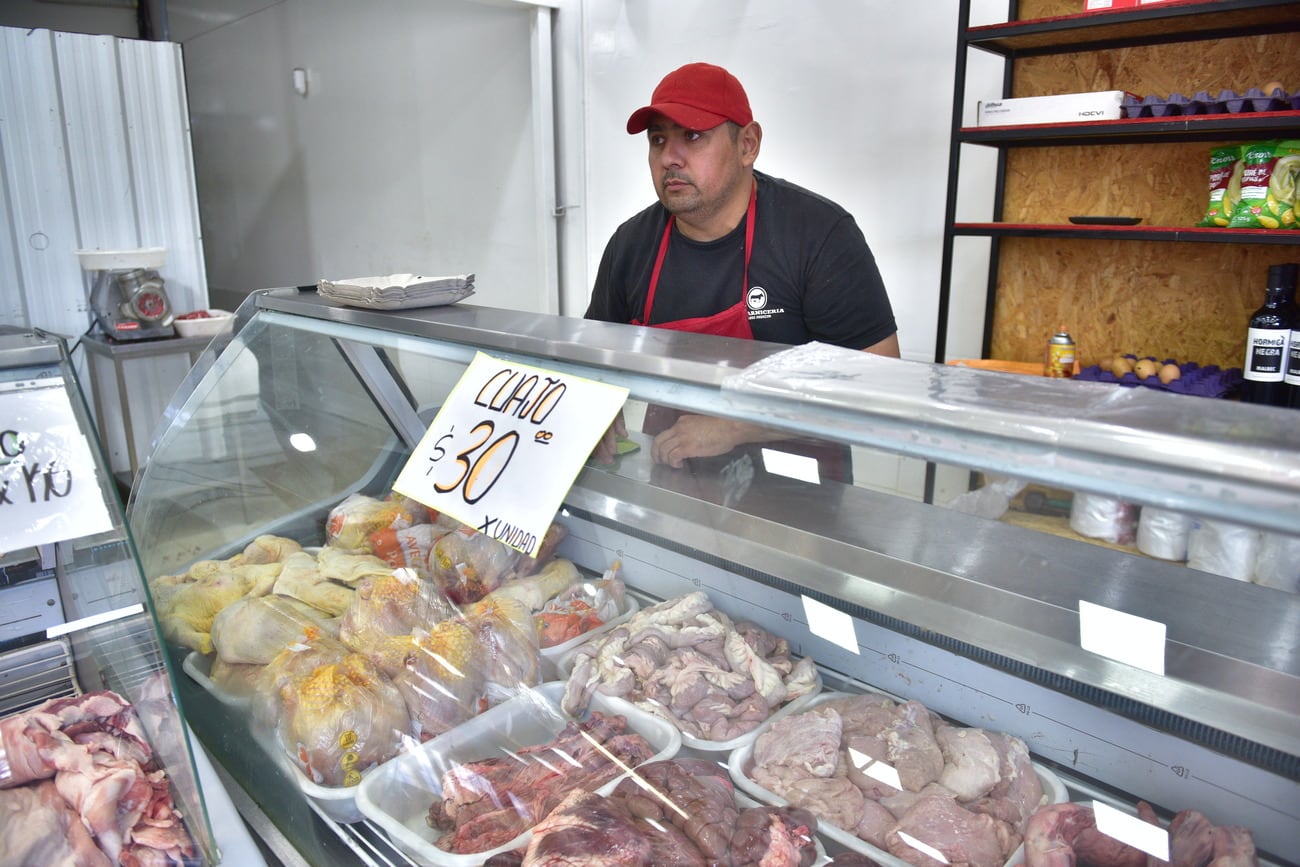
(756, 300)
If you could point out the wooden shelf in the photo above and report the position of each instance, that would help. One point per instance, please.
(1193, 234)
(1192, 128)
(1186, 21)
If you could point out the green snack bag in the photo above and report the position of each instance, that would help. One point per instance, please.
(1225, 185)
(1270, 186)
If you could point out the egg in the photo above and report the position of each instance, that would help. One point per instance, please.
(1169, 373)
(1120, 365)
(1272, 86)
(1146, 367)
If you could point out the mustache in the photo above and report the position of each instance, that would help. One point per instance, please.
(674, 176)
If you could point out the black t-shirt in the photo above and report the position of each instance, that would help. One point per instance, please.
(817, 277)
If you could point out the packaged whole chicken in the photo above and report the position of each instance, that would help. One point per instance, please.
(685, 660)
(505, 633)
(253, 630)
(353, 521)
(467, 565)
(443, 678)
(341, 719)
(384, 614)
(80, 785)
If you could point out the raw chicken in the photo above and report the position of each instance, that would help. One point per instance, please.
(341, 719)
(187, 604)
(408, 547)
(350, 524)
(467, 565)
(538, 589)
(253, 630)
(383, 614)
(235, 679)
(504, 629)
(348, 568)
(293, 663)
(442, 680)
(268, 549)
(300, 578)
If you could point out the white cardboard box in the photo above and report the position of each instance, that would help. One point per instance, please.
(1060, 108)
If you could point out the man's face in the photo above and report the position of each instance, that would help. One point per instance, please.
(695, 172)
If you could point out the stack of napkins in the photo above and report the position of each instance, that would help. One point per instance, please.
(398, 291)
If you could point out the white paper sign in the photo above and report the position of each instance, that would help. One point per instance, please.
(506, 446)
(49, 488)
(1123, 637)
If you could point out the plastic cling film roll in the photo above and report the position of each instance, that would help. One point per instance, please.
(1104, 518)
(1222, 548)
(1163, 534)
(1277, 563)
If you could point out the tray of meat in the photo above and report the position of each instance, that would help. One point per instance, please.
(1069, 830)
(895, 782)
(717, 680)
(479, 788)
(682, 811)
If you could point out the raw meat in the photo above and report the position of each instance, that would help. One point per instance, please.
(348, 568)
(809, 747)
(686, 661)
(1061, 835)
(442, 679)
(39, 829)
(341, 719)
(254, 629)
(588, 829)
(187, 604)
(301, 579)
(467, 565)
(963, 837)
(1191, 839)
(383, 615)
(505, 633)
(350, 524)
(268, 549)
(1233, 847)
(487, 803)
(970, 761)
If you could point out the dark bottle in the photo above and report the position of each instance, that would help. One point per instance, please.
(1290, 272)
(1267, 340)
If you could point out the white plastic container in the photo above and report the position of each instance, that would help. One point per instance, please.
(213, 324)
(397, 795)
(199, 668)
(553, 657)
(738, 765)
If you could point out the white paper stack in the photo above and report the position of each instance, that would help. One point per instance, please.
(398, 291)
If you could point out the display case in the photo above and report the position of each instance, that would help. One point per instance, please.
(94, 753)
(985, 622)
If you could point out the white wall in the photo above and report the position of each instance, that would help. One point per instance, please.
(412, 152)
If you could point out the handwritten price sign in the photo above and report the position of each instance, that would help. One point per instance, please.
(49, 487)
(506, 446)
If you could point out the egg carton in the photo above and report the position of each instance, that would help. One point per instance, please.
(1227, 102)
(1201, 381)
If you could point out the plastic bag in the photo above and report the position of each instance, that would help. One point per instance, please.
(990, 501)
(1163, 534)
(1270, 185)
(1104, 518)
(1225, 185)
(1222, 548)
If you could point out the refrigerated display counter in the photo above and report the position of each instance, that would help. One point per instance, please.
(95, 762)
(1130, 677)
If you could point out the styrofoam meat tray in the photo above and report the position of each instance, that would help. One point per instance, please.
(552, 657)
(199, 668)
(738, 764)
(397, 794)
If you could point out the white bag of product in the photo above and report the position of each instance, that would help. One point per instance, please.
(1104, 518)
(1277, 563)
(1222, 548)
(1163, 534)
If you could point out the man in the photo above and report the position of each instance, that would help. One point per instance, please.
(730, 251)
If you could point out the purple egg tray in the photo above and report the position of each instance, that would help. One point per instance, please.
(1208, 381)
(1227, 102)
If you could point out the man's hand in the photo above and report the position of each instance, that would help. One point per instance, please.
(701, 436)
(607, 449)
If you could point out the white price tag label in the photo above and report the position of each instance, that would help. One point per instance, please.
(1123, 637)
(49, 487)
(506, 446)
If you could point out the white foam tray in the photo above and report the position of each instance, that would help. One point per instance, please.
(397, 795)
(553, 657)
(738, 765)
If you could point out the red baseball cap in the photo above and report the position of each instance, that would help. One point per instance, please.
(696, 96)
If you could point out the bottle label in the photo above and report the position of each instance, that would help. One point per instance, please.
(1266, 354)
(1293, 362)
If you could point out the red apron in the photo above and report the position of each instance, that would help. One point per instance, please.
(833, 462)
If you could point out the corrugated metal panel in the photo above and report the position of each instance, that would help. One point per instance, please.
(39, 209)
(162, 164)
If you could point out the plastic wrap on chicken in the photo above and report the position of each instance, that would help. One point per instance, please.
(341, 719)
(351, 523)
(294, 662)
(505, 632)
(467, 565)
(410, 547)
(442, 680)
(253, 630)
(385, 611)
